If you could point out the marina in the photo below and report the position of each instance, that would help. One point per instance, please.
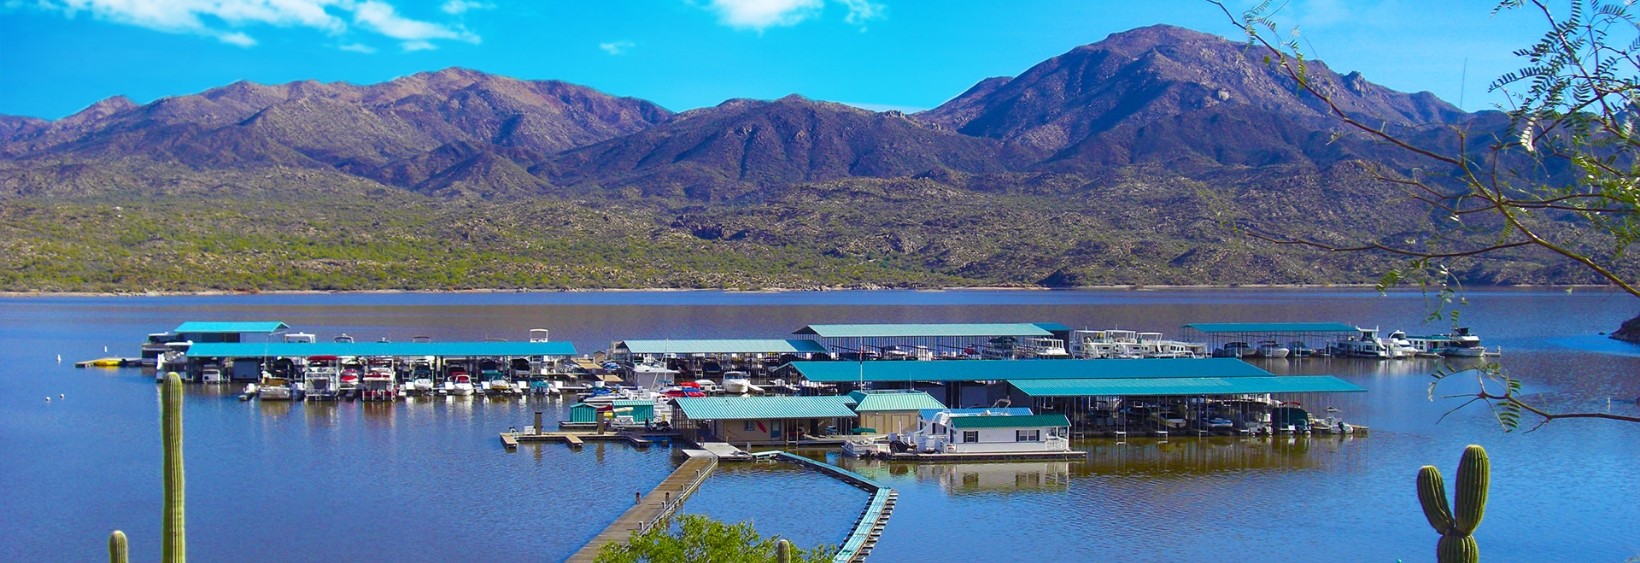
(434, 436)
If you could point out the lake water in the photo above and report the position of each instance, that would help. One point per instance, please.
(428, 481)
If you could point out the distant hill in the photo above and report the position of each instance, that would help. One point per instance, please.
(1128, 161)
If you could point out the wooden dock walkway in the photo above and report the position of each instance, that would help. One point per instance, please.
(654, 508)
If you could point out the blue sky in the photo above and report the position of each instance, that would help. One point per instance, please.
(58, 56)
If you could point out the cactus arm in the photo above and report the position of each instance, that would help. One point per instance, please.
(1432, 495)
(783, 551)
(1474, 472)
(174, 544)
(117, 550)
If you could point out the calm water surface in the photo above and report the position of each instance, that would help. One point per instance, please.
(428, 481)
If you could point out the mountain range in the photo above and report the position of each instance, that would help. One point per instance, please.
(1118, 162)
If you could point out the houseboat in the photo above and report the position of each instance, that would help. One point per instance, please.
(380, 384)
(1366, 344)
(971, 434)
(321, 379)
(273, 388)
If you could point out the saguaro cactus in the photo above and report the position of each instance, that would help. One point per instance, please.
(175, 541)
(117, 551)
(1457, 544)
(783, 551)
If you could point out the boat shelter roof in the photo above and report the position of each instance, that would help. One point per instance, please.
(441, 349)
(748, 408)
(1003, 411)
(1185, 386)
(877, 401)
(230, 327)
(1223, 328)
(1011, 370)
(1055, 327)
(984, 421)
(738, 346)
(962, 330)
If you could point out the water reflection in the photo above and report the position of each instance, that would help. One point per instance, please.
(1178, 457)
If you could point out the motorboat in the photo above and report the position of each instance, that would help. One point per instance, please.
(1464, 345)
(459, 383)
(1398, 346)
(1270, 349)
(1299, 349)
(1235, 349)
(496, 382)
(739, 386)
(421, 379)
(380, 384)
(273, 388)
(351, 376)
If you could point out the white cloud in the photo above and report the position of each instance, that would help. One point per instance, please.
(458, 7)
(413, 46)
(617, 47)
(357, 48)
(237, 38)
(763, 14)
(861, 10)
(760, 14)
(219, 19)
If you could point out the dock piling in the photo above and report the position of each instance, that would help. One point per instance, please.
(538, 423)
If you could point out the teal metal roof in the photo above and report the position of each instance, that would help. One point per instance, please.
(876, 401)
(1032, 421)
(1220, 328)
(743, 408)
(963, 330)
(214, 327)
(446, 349)
(1055, 327)
(721, 346)
(987, 370)
(1185, 386)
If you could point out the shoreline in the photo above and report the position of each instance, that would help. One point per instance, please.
(1131, 287)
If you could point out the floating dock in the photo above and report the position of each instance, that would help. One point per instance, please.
(972, 457)
(510, 440)
(652, 509)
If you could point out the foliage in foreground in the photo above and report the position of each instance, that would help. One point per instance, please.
(699, 538)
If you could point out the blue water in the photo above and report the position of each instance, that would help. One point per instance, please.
(428, 481)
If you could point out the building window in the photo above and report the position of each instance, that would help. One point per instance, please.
(746, 426)
(970, 436)
(1027, 435)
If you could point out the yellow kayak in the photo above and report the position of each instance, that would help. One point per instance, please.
(106, 363)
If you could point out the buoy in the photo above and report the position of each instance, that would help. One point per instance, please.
(105, 349)
(48, 399)
(61, 395)
(59, 358)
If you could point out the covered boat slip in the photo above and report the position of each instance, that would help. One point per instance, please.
(444, 352)
(711, 357)
(927, 341)
(1314, 335)
(1081, 388)
(226, 331)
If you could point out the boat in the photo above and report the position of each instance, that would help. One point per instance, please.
(739, 385)
(984, 432)
(321, 380)
(459, 384)
(1398, 346)
(495, 382)
(1290, 418)
(1463, 345)
(1299, 349)
(1363, 345)
(380, 384)
(421, 379)
(1235, 349)
(1270, 349)
(272, 388)
(348, 383)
